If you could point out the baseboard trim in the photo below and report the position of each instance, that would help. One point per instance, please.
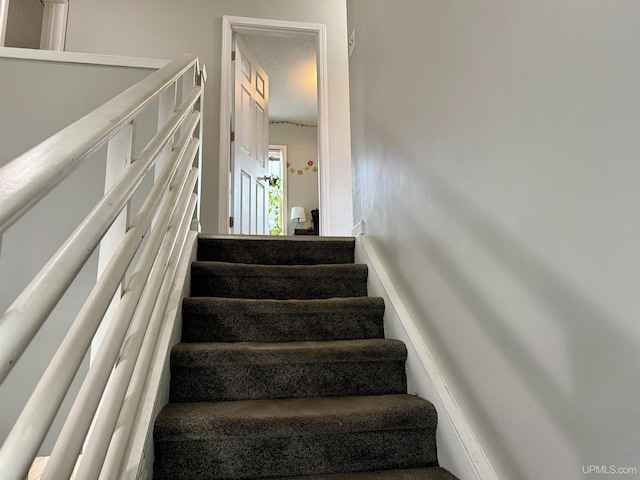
(458, 448)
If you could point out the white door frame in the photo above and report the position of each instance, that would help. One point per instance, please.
(4, 13)
(54, 25)
(278, 28)
(285, 203)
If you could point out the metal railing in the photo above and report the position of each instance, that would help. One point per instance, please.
(139, 256)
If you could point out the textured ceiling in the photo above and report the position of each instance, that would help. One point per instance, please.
(291, 66)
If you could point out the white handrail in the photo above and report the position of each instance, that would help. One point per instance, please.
(170, 204)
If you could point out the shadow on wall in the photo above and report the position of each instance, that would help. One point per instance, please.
(602, 360)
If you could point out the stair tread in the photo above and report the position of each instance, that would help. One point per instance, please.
(194, 305)
(299, 416)
(428, 473)
(248, 353)
(247, 239)
(261, 270)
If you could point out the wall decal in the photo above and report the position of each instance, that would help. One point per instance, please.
(308, 167)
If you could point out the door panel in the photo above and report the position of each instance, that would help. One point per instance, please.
(250, 147)
(246, 130)
(261, 209)
(262, 137)
(245, 203)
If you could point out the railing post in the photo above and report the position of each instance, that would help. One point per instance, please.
(200, 77)
(119, 153)
(166, 108)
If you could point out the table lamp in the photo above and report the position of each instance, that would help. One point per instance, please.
(297, 213)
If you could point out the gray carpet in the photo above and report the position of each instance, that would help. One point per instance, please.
(240, 319)
(280, 282)
(284, 372)
(291, 250)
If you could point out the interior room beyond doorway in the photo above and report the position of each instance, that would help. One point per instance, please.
(291, 66)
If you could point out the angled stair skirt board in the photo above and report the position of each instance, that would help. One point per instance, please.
(459, 449)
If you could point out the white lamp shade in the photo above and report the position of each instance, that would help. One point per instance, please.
(297, 213)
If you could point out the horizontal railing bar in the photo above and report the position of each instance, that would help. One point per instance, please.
(138, 289)
(28, 178)
(106, 419)
(28, 312)
(84, 329)
(69, 442)
(122, 432)
(137, 460)
(129, 314)
(23, 443)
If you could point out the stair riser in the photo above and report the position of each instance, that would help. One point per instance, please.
(238, 320)
(253, 382)
(276, 252)
(279, 288)
(214, 328)
(251, 457)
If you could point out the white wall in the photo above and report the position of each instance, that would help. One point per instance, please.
(302, 147)
(43, 92)
(496, 168)
(165, 29)
(40, 95)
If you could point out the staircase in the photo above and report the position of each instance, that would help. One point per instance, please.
(284, 372)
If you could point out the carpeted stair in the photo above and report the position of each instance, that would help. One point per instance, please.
(284, 372)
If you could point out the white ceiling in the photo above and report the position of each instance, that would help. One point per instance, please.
(291, 66)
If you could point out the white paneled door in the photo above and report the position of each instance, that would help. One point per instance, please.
(250, 144)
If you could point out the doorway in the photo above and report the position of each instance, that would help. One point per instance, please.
(22, 24)
(273, 28)
(34, 25)
(277, 189)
